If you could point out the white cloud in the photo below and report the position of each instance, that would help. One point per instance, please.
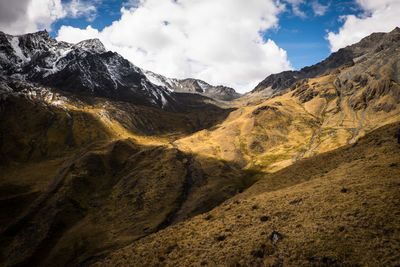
(77, 8)
(29, 15)
(318, 8)
(75, 35)
(296, 7)
(22, 16)
(217, 41)
(379, 16)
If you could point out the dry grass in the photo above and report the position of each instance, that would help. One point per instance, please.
(316, 117)
(340, 208)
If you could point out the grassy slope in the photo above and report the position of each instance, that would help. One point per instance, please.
(90, 180)
(318, 115)
(339, 208)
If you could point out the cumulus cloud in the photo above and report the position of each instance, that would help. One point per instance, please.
(22, 16)
(378, 16)
(217, 41)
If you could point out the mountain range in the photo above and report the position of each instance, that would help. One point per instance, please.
(103, 163)
(88, 68)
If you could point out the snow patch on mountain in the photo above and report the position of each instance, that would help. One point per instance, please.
(192, 86)
(57, 64)
(160, 80)
(14, 41)
(203, 85)
(91, 45)
(83, 68)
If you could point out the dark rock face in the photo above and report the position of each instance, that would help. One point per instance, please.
(84, 68)
(374, 43)
(278, 81)
(106, 75)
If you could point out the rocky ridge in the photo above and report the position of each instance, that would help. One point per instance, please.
(347, 56)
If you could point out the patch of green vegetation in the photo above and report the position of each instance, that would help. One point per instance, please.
(269, 159)
(243, 147)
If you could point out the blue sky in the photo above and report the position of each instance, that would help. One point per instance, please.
(234, 43)
(303, 37)
(107, 12)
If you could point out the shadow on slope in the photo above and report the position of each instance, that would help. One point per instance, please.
(111, 195)
(34, 128)
(339, 208)
(78, 193)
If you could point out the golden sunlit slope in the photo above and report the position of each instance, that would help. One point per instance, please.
(315, 116)
(340, 208)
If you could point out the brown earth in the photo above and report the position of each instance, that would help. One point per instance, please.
(339, 208)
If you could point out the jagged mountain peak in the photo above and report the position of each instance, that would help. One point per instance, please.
(88, 68)
(94, 45)
(397, 29)
(43, 34)
(85, 68)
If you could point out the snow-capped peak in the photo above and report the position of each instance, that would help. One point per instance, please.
(82, 68)
(92, 45)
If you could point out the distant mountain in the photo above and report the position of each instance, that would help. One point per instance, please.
(347, 56)
(84, 68)
(87, 68)
(193, 86)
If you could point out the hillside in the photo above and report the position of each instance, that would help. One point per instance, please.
(315, 115)
(83, 169)
(339, 208)
(347, 56)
